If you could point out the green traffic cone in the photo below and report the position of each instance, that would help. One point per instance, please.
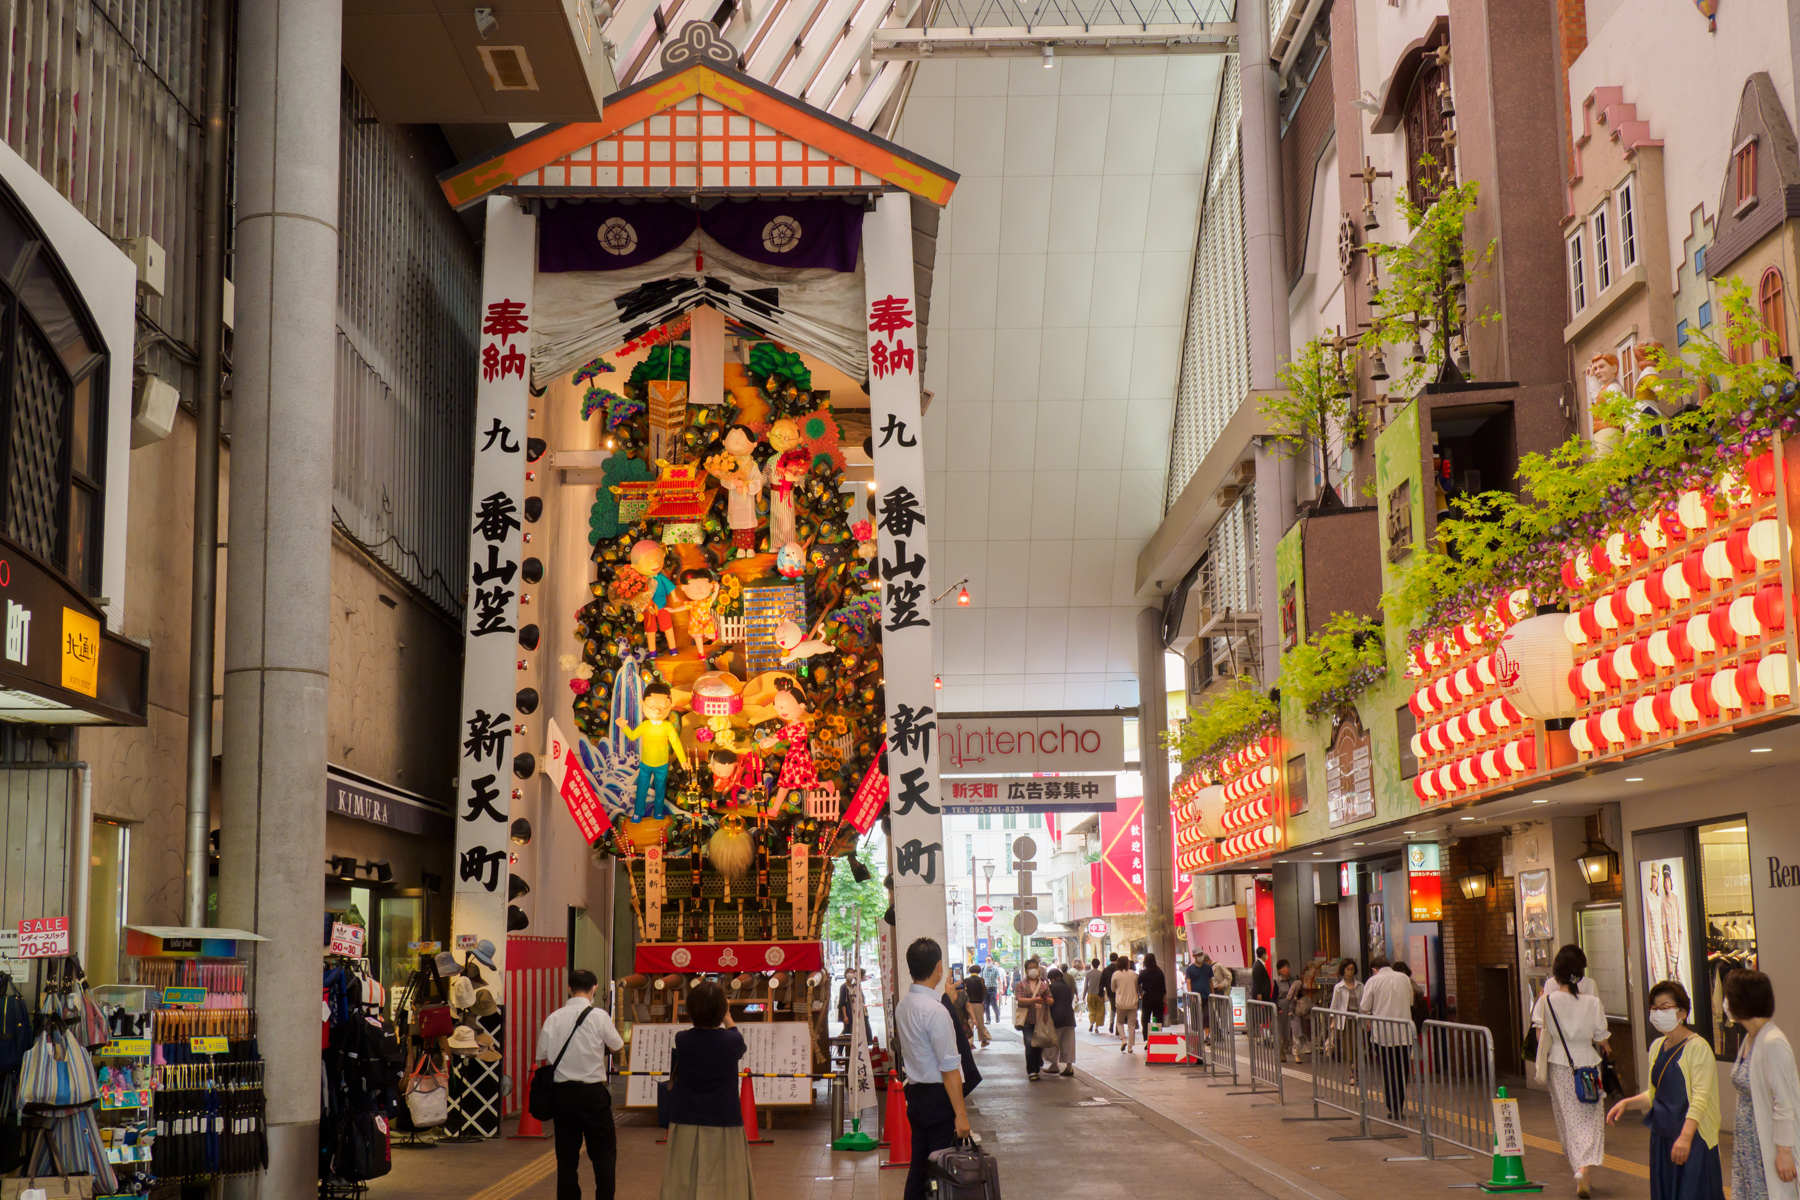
(856, 1139)
(1509, 1150)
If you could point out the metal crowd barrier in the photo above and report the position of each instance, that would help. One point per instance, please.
(1193, 1016)
(1221, 1054)
(1263, 1034)
(1381, 1073)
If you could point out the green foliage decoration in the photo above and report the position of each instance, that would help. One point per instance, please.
(603, 517)
(1222, 723)
(1320, 402)
(1330, 668)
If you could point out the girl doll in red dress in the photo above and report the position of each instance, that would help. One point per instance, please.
(797, 769)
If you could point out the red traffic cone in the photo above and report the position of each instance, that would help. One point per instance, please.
(747, 1102)
(529, 1126)
(896, 1127)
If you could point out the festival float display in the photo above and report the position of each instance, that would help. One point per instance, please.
(752, 662)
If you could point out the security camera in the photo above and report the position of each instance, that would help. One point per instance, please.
(485, 23)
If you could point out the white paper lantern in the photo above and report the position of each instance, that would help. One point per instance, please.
(1477, 722)
(1465, 773)
(1207, 805)
(1612, 727)
(1573, 631)
(1515, 756)
(1489, 765)
(1643, 715)
(1465, 682)
(1743, 617)
(1518, 605)
(1772, 675)
(1661, 653)
(1676, 584)
(1651, 530)
(1428, 782)
(1604, 612)
(1498, 714)
(1578, 737)
(1623, 665)
(1584, 570)
(1637, 598)
(1725, 690)
(1693, 511)
(1484, 670)
(1765, 540)
(1699, 634)
(1681, 702)
(1443, 693)
(1532, 665)
(1434, 737)
(1716, 561)
(1427, 702)
(1418, 746)
(1591, 678)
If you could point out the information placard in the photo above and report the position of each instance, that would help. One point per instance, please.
(778, 1048)
(347, 940)
(209, 1045)
(183, 997)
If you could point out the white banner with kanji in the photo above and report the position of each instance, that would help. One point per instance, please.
(491, 651)
(904, 544)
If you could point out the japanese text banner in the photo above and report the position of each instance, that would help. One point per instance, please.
(916, 836)
(491, 638)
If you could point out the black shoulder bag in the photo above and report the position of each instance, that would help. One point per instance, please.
(543, 1080)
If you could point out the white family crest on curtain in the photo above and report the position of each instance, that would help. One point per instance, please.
(613, 760)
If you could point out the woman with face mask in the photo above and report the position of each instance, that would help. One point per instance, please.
(1031, 1009)
(1768, 1094)
(1682, 1102)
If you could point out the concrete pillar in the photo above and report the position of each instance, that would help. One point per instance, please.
(277, 634)
(1159, 843)
(1265, 252)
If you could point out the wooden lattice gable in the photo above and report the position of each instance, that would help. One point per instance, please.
(700, 128)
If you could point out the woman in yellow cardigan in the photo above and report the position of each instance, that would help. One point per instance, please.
(1682, 1102)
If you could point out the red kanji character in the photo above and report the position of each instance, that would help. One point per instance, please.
(889, 315)
(878, 361)
(490, 362)
(512, 362)
(901, 359)
(505, 319)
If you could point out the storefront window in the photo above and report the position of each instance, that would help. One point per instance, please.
(1729, 924)
(107, 881)
(401, 920)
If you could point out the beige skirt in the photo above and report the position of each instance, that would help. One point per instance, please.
(707, 1162)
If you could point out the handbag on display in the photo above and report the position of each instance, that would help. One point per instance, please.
(364, 1149)
(57, 1072)
(428, 1094)
(435, 1020)
(542, 1100)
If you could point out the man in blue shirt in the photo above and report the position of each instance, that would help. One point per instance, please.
(933, 1068)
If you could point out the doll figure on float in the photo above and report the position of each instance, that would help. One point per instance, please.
(797, 770)
(657, 738)
(699, 590)
(790, 471)
(743, 482)
(796, 645)
(734, 779)
(1602, 373)
(790, 560)
(646, 559)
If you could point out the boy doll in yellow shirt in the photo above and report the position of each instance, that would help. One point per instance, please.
(656, 737)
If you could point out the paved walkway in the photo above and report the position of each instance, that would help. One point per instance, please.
(1119, 1128)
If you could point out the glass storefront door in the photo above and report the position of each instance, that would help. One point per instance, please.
(110, 868)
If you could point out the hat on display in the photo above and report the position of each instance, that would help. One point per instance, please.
(484, 1004)
(472, 970)
(462, 1041)
(490, 1049)
(484, 953)
(462, 993)
(445, 962)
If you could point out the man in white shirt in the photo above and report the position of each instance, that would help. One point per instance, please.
(1388, 995)
(576, 1038)
(934, 1086)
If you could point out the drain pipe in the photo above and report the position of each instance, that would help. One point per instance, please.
(210, 339)
(81, 855)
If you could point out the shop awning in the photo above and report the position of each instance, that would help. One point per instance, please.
(198, 931)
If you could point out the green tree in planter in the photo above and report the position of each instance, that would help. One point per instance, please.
(1424, 301)
(1320, 403)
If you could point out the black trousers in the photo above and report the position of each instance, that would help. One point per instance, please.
(933, 1124)
(1034, 1056)
(1396, 1064)
(584, 1111)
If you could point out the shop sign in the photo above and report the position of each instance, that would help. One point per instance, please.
(360, 801)
(183, 997)
(1349, 780)
(1238, 1007)
(423, 947)
(466, 941)
(54, 646)
(209, 1045)
(575, 786)
(125, 1048)
(1096, 928)
(1065, 794)
(1346, 879)
(979, 744)
(347, 940)
(44, 937)
(1424, 881)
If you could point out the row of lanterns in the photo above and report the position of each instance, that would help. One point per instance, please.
(1244, 815)
(1478, 722)
(1517, 757)
(1705, 698)
(1195, 857)
(1257, 779)
(1265, 837)
(1742, 553)
(1258, 751)
(1433, 653)
(1745, 618)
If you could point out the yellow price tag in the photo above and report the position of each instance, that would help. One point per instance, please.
(209, 1045)
(125, 1048)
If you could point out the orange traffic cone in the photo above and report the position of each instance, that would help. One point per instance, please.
(529, 1126)
(747, 1102)
(896, 1126)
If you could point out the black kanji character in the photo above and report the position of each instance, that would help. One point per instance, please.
(909, 731)
(902, 605)
(900, 512)
(902, 565)
(490, 611)
(502, 434)
(481, 804)
(908, 854)
(895, 430)
(497, 517)
(479, 859)
(487, 735)
(495, 569)
(912, 793)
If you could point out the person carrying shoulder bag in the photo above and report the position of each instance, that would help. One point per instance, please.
(1572, 1030)
(573, 1043)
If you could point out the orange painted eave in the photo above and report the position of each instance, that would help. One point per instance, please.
(782, 113)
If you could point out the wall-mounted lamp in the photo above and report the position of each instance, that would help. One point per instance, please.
(1599, 864)
(1474, 885)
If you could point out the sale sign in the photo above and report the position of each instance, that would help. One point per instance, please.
(576, 787)
(44, 937)
(347, 940)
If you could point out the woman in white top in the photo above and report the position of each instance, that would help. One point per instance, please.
(1571, 1027)
(1125, 1001)
(1768, 1090)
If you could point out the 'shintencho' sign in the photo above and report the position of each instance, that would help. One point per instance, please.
(979, 744)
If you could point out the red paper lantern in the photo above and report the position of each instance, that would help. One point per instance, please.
(1749, 686)
(1654, 589)
(1570, 579)
(1693, 572)
(1759, 473)
(1590, 624)
(1718, 621)
(1703, 697)
(1678, 642)
(1608, 673)
(1419, 788)
(1665, 713)
(1771, 609)
(1598, 562)
(1577, 684)
(1737, 548)
(1640, 658)
(1636, 547)
(1672, 526)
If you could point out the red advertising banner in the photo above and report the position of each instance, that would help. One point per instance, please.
(1121, 863)
(576, 787)
(870, 795)
(737, 956)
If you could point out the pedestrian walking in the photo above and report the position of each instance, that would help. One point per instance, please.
(1106, 978)
(931, 1062)
(1768, 1094)
(1261, 987)
(1306, 995)
(576, 1038)
(1062, 1019)
(1125, 1002)
(1682, 1103)
(1346, 997)
(991, 977)
(1031, 1017)
(975, 991)
(1571, 1029)
(1153, 994)
(1093, 989)
(1389, 996)
(1285, 987)
(708, 1157)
